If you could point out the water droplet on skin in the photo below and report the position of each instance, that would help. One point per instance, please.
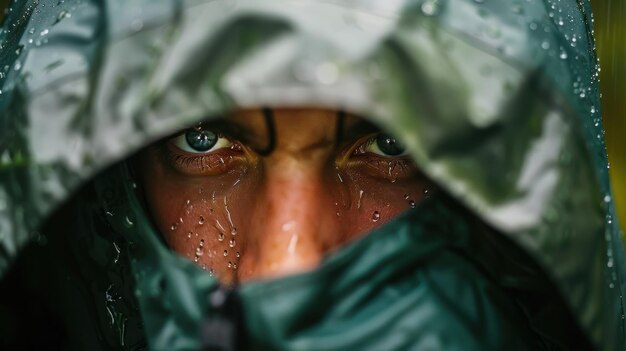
(375, 216)
(230, 264)
(238, 254)
(199, 251)
(231, 243)
(225, 253)
(173, 227)
(128, 222)
(412, 203)
(233, 231)
(196, 258)
(189, 234)
(220, 237)
(201, 242)
(204, 267)
(406, 196)
(358, 204)
(201, 220)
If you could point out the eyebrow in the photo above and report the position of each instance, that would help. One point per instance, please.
(247, 135)
(354, 131)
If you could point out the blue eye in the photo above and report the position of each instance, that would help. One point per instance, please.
(386, 145)
(199, 140)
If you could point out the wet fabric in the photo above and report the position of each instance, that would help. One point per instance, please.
(496, 101)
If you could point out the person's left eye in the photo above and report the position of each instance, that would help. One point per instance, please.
(385, 145)
(201, 141)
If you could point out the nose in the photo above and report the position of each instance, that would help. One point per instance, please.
(292, 213)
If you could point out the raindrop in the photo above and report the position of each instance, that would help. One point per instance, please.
(201, 242)
(220, 237)
(199, 251)
(238, 254)
(563, 54)
(607, 198)
(430, 7)
(327, 73)
(375, 216)
(173, 227)
(231, 243)
(201, 220)
(136, 25)
(233, 231)
(62, 15)
(230, 264)
(412, 203)
(189, 235)
(225, 253)
(128, 222)
(593, 110)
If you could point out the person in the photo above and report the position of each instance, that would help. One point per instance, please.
(260, 213)
(305, 175)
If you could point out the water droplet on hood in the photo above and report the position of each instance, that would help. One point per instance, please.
(430, 7)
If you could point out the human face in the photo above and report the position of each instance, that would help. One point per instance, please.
(242, 211)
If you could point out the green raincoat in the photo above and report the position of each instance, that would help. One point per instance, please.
(497, 101)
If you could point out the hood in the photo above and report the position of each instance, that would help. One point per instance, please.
(497, 101)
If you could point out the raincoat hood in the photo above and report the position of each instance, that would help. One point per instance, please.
(497, 101)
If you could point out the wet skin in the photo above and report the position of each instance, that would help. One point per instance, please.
(242, 214)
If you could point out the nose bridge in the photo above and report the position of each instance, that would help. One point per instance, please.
(288, 215)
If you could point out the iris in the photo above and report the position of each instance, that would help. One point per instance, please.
(201, 140)
(389, 145)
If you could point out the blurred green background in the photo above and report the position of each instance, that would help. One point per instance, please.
(610, 32)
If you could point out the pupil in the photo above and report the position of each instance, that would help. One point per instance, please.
(201, 140)
(389, 145)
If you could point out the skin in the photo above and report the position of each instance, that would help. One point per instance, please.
(242, 215)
